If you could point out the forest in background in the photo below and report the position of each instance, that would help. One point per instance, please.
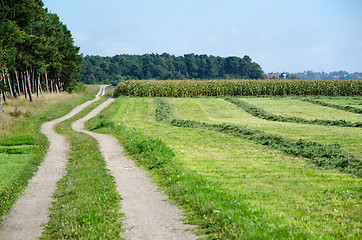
(111, 70)
(37, 51)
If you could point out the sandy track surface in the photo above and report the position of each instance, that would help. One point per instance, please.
(31, 211)
(147, 213)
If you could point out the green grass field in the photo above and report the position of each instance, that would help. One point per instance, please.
(232, 187)
(253, 191)
(217, 110)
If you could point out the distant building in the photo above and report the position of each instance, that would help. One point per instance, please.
(273, 75)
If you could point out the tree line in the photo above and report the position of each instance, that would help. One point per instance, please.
(111, 70)
(332, 75)
(37, 51)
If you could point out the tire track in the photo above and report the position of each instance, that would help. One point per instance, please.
(147, 214)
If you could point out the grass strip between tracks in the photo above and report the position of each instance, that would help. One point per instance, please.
(87, 203)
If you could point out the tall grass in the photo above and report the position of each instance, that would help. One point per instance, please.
(194, 88)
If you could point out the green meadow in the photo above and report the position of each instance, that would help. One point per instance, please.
(236, 188)
(231, 185)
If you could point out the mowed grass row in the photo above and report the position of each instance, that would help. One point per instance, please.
(22, 146)
(294, 107)
(87, 203)
(345, 101)
(245, 190)
(263, 114)
(349, 105)
(217, 111)
(196, 88)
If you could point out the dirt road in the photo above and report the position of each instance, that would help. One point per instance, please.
(148, 215)
(31, 211)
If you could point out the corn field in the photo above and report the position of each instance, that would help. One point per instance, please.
(195, 88)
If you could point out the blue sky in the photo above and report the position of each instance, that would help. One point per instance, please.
(280, 35)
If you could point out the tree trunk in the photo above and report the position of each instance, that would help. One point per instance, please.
(10, 85)
(56, 88)
(17, 81)
(2, 80)
(36, 84)
(56, 85)
(32, 82)
(23, 79)
(1, 102)
(1, 98)
(46, 80)
(51, 85)
(7, 82)
(29, 86)
(4, 96)
(39, 86)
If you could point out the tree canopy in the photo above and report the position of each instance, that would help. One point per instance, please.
(36, 50)
(112, 70)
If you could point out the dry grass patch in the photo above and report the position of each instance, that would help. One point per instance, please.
(16, 109)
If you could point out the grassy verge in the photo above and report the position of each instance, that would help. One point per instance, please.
(235, 188)
(260, 113)
(22, 146)
(87, 202)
